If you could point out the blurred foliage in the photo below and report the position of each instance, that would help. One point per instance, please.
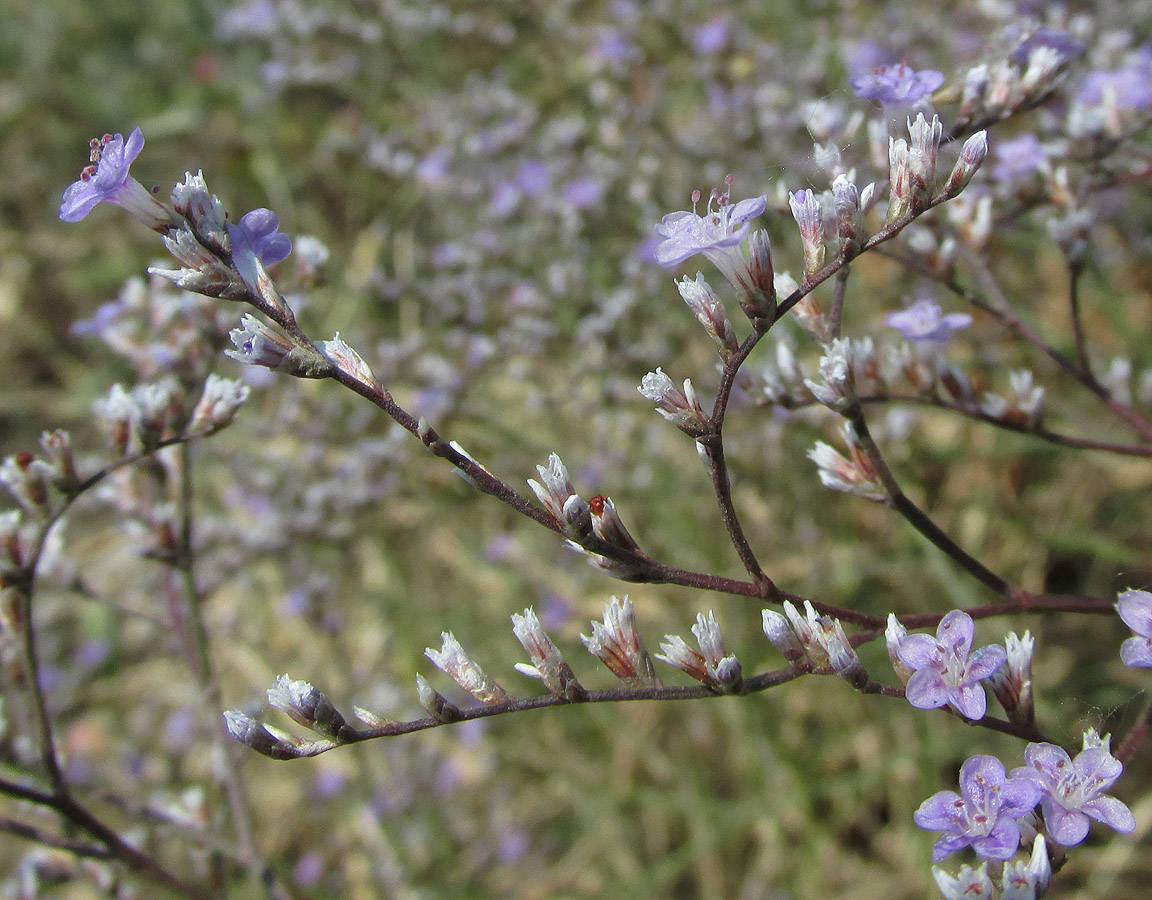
(329, 115)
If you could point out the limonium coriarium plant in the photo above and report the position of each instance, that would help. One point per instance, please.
(900, 193)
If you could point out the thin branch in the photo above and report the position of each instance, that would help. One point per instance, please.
(39, 836)
(204, 671)
(916, 516)
(137, 861)
(1137, 734)
(1075, 270)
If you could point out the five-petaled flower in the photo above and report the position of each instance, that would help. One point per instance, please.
(946, 670)
(1073, 789)
(108, 180)
(896, 84)
(983, 815)
(717, 234)
(1135, 608)
(924, 321)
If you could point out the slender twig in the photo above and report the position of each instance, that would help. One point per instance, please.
(1002, 312)
(752, 685)
(1136, 734)
(971, 412)
(1075, 270)
(137, 861)
(916, 516)
(203, 669)
(39, 836)
(42, 721)
(835, 314)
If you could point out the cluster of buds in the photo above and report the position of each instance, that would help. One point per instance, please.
(1025, 408)
(1012, 682)
(306, 706)
(712, 665)
(590, 525)
(912, 167)
(818, 639)
(680, 407)
(852, 474)
(1004, 87)
(1025, 879)
(836, 388)
(616, 643)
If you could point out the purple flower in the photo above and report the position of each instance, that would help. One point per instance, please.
(923, 321)
(533, 177)
(1135, 608)
(896, 84)
(1128, 88)
(946, 671)
(711, 38)
(1073, 789)
(581, 193)
(107, 180)
(722, 227)
(1019, 158)
(983, 815)
(257, 234)
(1060, 42)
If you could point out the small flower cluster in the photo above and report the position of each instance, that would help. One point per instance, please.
(986, 815)
(590, 525)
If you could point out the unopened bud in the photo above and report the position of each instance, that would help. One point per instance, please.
(434, 703)
(971, 156)
(308, 707)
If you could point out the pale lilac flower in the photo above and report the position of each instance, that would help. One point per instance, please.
(1063, 44)
(582, 193)
(924, 321)
(533, 177)
(1127, 88)
(107, 181)
(983, 815)
(1019, 158)
(1073, 789)
(717, 234)
(711, 38)
(947, 671)
(1135, 608)
(896, 84)
(257, 231)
